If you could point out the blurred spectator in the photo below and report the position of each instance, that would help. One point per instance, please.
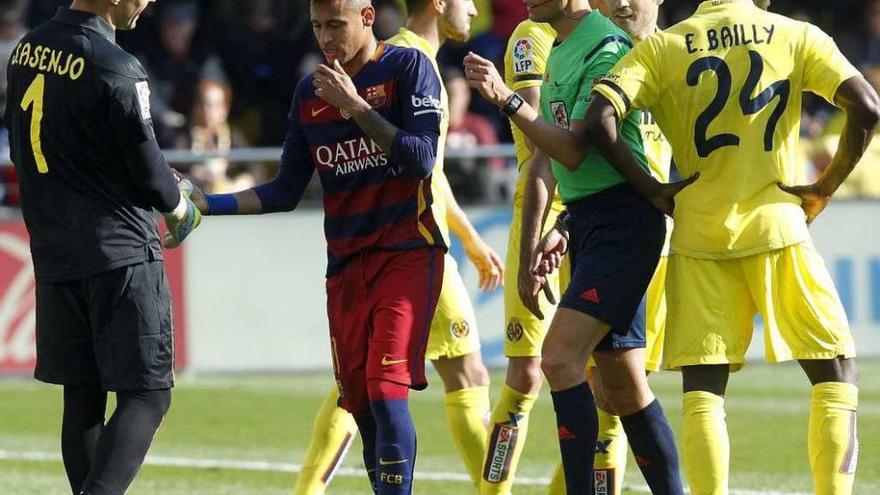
(862, 45)
(176, 64)
(390, 17)
(263, 48)
(209, 130)
(12, 28)
(507, 14)
(266, 46)
(470, 178)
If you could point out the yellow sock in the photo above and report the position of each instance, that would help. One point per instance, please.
(332, 434)
(467, 411)
(557, 482)
(611, 450)
(706, 444)
(510, 424)
(833, 444)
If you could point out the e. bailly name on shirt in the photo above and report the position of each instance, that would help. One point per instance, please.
(729, 36)
(49, 60)
(353, 155)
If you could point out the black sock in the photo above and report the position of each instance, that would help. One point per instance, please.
(80, 429)
(578, 427)
(125, 440)
(367, 428)
(653, 446)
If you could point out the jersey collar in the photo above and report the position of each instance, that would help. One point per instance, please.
(417, 42)
(711, 4)
(87, 20)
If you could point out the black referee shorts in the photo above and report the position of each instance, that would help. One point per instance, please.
(616, 239)
(111, 330)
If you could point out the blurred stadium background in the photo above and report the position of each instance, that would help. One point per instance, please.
(252, 357)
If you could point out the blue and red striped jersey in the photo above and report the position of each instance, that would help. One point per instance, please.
(373, 200)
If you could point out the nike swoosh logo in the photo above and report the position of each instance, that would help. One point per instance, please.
(383, 462)
(315, 111)
(389, 362)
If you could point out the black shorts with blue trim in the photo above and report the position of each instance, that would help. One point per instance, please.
(616, 237)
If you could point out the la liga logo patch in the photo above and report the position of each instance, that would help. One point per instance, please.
(523, 56)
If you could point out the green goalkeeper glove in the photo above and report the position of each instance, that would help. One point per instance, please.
(184, 219)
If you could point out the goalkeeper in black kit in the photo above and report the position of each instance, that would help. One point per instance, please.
(91, 174)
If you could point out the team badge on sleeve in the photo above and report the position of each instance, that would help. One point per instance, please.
(143, 96)
(523, 56)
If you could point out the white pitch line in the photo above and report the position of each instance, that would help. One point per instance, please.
(289, 467)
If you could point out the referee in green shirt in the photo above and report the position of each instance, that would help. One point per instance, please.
(615, 238)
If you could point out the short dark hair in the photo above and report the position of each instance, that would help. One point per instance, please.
(348, 3)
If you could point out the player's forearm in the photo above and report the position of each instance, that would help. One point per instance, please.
(241, 203)
(458, 222)
(862, 108)
(601, 128)
(560, 144)
(537, 199)
(853, 142)
(283, 193)
(415, 152)
(151, 173)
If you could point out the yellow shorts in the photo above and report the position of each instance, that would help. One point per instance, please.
(712, 306)
(655, 315)
(525, 333)
(454, 328)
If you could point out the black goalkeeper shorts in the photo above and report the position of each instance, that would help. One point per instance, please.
(111, 330)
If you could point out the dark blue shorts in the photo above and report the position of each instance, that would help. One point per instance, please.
(615, 241)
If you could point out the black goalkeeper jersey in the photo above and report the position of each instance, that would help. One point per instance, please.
(77, 103)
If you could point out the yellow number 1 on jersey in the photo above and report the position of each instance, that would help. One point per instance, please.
(34, 96)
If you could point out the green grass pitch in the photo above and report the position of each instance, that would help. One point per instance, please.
(245, 435)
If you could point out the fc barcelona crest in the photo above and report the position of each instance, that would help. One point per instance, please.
(375, 95)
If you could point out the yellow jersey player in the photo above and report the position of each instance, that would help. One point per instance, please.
(524, 61)
(453, 343)
(726, 86)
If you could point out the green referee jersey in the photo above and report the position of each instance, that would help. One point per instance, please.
(574, 66)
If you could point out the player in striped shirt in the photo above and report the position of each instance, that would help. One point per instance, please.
(454, 341)
(368, 123)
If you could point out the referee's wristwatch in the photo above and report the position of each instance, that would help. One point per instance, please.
(512, 105)
(563, 224)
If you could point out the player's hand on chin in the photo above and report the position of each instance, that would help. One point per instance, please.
(813, 199)
(334, 86)
(482, 75)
